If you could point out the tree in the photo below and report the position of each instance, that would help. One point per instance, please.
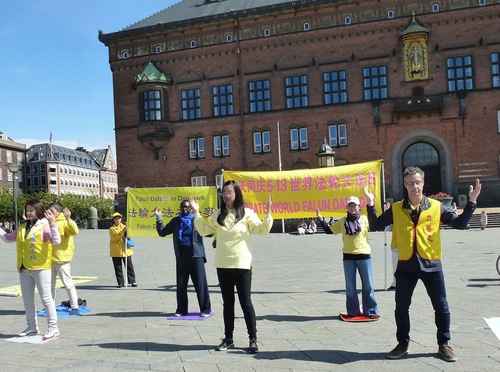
(78, 204)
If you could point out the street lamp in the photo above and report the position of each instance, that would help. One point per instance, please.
(14, 169)
(326, 155)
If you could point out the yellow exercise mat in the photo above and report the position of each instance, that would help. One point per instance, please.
(15, 290)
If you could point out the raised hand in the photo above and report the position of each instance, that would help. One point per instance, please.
(269, 203)
(320, 217)
(158, 211)
(194, 204)
(50, 217)
(369, 195)
(67, 213)
(474, 191)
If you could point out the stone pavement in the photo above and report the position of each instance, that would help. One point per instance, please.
(298, 291)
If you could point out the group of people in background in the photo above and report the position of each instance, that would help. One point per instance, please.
(45, 248)
(232, 224)
(416, 240)
(303, 228)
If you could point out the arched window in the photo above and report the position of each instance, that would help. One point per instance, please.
(347, 20)
(390, 14)
(435, 8)
(192, 43)
(229, 38)
(158, 49)
(267, 32)
(426, 157)
(307, 26)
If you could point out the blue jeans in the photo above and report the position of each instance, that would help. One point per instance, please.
(367, 293)
(406, 282)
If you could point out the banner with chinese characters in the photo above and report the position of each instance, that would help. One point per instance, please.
(300, 193)
(141, 204)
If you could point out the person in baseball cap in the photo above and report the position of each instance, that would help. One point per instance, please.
(356, 257)
(353, 199)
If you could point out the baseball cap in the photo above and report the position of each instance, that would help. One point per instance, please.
(116, 214)
(353, 199)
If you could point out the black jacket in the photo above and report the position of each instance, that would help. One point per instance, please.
(173, 228)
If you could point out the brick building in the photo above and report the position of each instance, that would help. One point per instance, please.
(200, 86)
(11, 152)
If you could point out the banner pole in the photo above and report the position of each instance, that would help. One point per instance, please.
(279, 167)
(126, 264)
(125, 245)
(385, 230)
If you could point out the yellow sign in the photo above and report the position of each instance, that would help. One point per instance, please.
(300, 193)
(141, 204)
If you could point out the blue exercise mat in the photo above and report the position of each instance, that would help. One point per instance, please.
(63, 311)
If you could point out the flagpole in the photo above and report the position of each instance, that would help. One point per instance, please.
(50, 144)
(385, 230)
(279, 167)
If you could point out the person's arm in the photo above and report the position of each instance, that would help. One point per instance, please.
(323, 223)
(50, 232)
(70, 228)
(462, 221)
(376, 223)
(203, 226)
(117, 233)
(8, 237)
(160, 229)
(258, 227)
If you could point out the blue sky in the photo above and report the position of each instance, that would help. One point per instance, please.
(55, 72)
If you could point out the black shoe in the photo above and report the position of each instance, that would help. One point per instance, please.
(120, 286)
(135, 285)
(253, 348)
(226, 343)
(391, 288)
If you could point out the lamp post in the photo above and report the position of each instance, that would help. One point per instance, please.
(326, 155)
(14, 169)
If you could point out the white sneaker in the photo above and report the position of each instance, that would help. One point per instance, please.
(52, 334)
(29, 332)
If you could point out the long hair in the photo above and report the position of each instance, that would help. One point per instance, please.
(238, 205)
(38, 206)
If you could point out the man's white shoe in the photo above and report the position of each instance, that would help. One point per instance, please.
(52, 334)
(28, 332)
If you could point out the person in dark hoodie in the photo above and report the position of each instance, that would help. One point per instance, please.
(190, 258)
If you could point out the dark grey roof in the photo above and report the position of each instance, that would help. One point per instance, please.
(194, 9)
(99, 156)
(61, 155)
(187, 12)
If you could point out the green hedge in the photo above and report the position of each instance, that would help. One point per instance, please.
(77, 204)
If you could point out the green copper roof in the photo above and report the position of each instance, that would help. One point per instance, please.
(414, 27)
(152, 75)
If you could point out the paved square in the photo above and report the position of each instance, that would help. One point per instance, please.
(298, 292)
